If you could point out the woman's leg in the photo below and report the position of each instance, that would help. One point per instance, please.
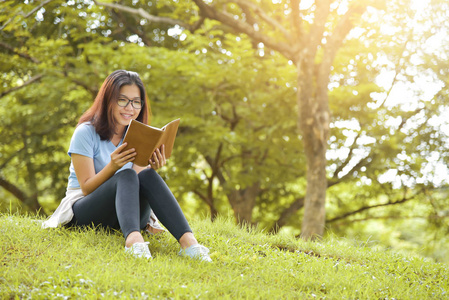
(114, 204)
(155, 191)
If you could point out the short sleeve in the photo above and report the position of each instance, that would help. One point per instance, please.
(83, 141)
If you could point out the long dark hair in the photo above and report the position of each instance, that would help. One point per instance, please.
(100, 113)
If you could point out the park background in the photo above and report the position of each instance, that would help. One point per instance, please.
(326, 118)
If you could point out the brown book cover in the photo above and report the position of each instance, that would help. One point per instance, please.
(146, 139)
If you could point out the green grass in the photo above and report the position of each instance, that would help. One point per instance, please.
(248, 264)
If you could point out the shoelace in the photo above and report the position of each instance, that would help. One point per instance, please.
(140, 250)
(200, 251)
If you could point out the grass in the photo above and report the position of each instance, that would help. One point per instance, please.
(248, 264)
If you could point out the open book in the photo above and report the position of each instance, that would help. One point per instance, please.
(146, 139)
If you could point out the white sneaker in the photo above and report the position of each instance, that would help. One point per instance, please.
(139, 250)
(197, 252)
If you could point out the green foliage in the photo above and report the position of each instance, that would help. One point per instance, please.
(238, 109)
(89, 263)
(390, 142)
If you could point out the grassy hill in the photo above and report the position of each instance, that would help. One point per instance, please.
(248, 264)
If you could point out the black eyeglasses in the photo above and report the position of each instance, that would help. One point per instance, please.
(135, 103)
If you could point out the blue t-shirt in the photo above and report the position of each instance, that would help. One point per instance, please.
(86, 141)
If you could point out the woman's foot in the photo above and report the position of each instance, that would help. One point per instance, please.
(191, 248)
(187, 240)
(132, 238)
(196, 252)
(139, 250)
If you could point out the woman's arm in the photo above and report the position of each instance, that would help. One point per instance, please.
(85, 170)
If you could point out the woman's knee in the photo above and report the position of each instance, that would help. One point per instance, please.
(127, 173)
(128, 176)
(148, 173)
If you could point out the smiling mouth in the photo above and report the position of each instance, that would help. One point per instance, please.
(126, 116)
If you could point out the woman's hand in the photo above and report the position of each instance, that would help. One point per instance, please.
(119, 158)
(158, 160)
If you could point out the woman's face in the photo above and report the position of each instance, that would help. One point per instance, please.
(123, 115)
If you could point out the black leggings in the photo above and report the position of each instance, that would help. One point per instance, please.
(125, 202)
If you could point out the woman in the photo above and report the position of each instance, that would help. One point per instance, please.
(105, 188)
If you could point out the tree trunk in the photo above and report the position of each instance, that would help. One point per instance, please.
(314, 124)
(30, 202)
(286, 214)
(209, 200)
(243, 202)
(213, 213)
(314, 207)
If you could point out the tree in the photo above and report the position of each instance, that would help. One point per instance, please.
(312, 47)
(218, 76)
(78, 52)
(399, 138)
(237, 133)
(50, 74)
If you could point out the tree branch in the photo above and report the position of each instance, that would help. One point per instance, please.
(342, 29)
(367, 208)
(296, 20)
(397, 70)
(348, 158)
(28, 14)
(204, 198)
(11, 48)
(293, 208)
(286, 213)
(392, 217)
(411, 114)
(216, 170)
(227, 19)
(133, 29)
(7, 160)
(213, 163)
(197, 24)
(84, 85)
(362, 163)
(13, 189)
(142, 13)
(261, 13)
(37, 8)
(229, 158)
(335, 41)
(316, 33)
(30, 81)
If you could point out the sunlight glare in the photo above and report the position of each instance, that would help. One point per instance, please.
(306, 4)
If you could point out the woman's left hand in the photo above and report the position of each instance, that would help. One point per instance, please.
(158, 159)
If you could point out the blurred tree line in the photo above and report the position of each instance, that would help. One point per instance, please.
(296, 115)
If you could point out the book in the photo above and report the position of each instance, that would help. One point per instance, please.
(146, 139)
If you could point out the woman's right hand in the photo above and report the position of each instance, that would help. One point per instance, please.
(119, 158)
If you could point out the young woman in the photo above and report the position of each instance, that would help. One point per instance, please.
(106, 189)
